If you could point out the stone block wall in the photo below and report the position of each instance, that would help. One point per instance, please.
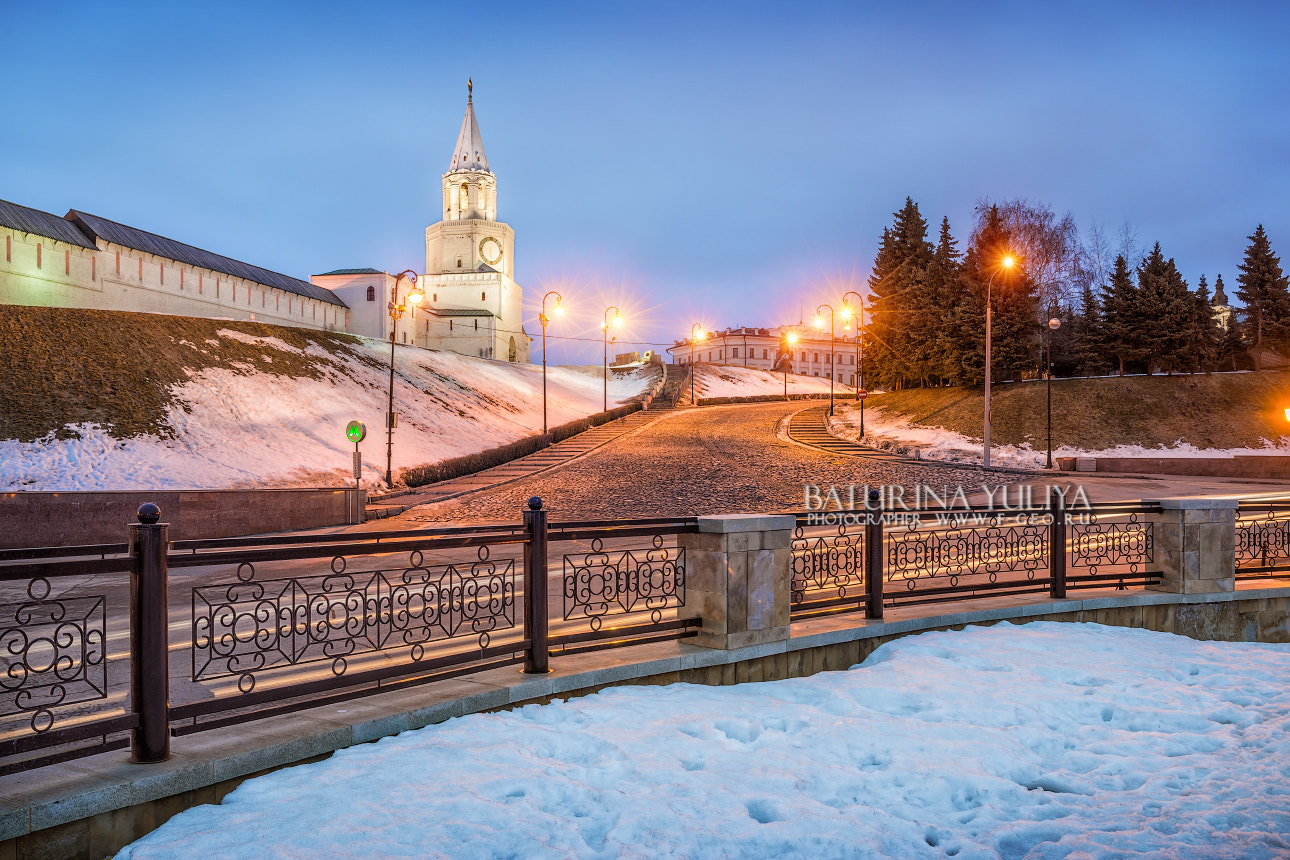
(1195, 545)
(737, 579)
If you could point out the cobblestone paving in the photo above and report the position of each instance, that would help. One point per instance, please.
(710, 461)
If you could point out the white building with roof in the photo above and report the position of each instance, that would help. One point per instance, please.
(84, 261)
(472, 303)
(811, 353)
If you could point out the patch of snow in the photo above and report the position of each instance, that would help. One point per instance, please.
(1042, 741)
(938, 443)
(729, 381)
(248, 428)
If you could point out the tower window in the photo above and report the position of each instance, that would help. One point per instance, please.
(38, 251)
(459, 262)
(483, 297)
(118, 262)
(371, 294)
(476, 325)
(67, 262)
(435, 297)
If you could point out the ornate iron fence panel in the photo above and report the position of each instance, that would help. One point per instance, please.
(827, 569)
(601, 583)
(1111, 549)
(967, 556)
(52, 653)
(251, 626)
(1262, 539)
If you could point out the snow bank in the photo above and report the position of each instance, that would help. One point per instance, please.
(250, 428)
(1043, 741)
(722, 381)
(938, 443)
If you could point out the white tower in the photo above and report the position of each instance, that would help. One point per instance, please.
(474, 304)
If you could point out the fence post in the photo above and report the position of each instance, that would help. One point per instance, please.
(873, 555)
(1057, 546)
(149, 637)
(535, 585)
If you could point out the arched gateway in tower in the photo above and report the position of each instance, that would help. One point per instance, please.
(472, 304)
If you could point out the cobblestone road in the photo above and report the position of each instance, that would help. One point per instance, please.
(710, 461)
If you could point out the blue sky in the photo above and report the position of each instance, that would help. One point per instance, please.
(722, 163)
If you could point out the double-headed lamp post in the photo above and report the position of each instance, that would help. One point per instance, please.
(618, 320)
(397, 310)
(846, 312)
(1006, 263)
(544, 319)
(696, 334)
(1053, 325)
(819, 323)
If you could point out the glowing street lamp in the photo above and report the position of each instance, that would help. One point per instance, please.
(846, 312)
(618, 320)
(397, 310)
(544, 319)
(819, 323)
(1053, 325)
(697, 334)
(1006, 263)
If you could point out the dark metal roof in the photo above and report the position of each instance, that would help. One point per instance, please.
(139, 240)
(30, 220)
(351, 272)
(460, 312)
(484, 267)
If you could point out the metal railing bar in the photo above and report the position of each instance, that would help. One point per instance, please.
(99, 549)
(62, 567)
(646, 531)
(619, 632)
(641, 639)
(346, 696)
(9, 768)
(246, 700)
(334, 550)
(341, 538)
(71, 734)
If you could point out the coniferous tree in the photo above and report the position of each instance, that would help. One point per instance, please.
(1089, 337)
(1119, 310)
(947, 294)
(1015, 328)
(1203, 346)
(895, 354)
(1231, 346)
(1164, 314)
(1265, 292)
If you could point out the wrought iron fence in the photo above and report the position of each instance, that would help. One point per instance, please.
(279, 625)
(1262, 538)
(865, 559)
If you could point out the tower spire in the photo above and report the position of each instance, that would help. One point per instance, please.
(469, 154)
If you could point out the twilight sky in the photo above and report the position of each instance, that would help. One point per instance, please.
(714, 162)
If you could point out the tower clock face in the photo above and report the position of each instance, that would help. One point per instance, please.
(491, 250)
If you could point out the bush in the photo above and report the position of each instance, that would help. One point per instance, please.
(455, 467)
(760, 398)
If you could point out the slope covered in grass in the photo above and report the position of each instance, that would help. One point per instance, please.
(1220, 410)
(107, 400)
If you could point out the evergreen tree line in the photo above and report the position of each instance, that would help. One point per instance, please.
(925, 317)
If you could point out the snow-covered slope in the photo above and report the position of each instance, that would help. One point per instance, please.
(724, 381)
(938, 443)
(246, 426)
(1041, 741)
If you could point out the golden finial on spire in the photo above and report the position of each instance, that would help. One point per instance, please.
(470, 90)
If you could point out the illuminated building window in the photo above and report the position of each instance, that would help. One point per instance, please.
(38, 258)
(8, 249)
(67, 262)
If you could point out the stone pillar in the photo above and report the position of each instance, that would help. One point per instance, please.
(738, 579)
(1195, 544)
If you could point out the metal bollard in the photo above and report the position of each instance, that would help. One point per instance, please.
(873, 556)
(537, 661)
(1057, 547)
(149, 638)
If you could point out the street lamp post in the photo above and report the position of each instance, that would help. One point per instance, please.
(859, 348)
(696, 335)
(1006, 263)
(618, 320)
(397, 310)
(819, 322)
(1053, 325)
(544, 319)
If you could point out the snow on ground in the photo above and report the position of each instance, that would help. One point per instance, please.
(1040, 741)
(255, 429)
(938, 443)
(726, 381)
